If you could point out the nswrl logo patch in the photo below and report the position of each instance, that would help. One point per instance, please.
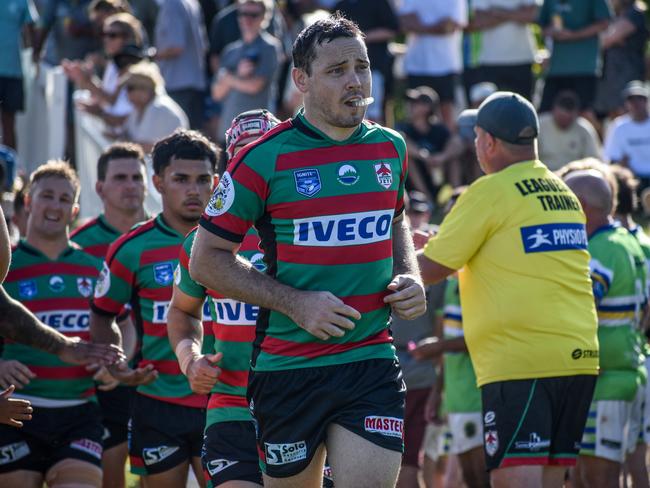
(163, 273)
(307, 182)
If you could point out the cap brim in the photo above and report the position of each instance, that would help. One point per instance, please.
(636, 92)
(468, 117)
(412, 94)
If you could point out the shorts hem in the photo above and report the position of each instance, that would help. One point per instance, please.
(508, 462)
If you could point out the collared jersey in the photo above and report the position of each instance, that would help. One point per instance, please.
(324, 211)
(58, 292)
(618, 272)
(528, 310)
(139, 270)
(95, 236)
(461, 394)
(233, 326)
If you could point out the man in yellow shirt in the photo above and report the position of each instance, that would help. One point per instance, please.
(518, 237)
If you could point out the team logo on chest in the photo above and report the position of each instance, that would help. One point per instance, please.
(347, 174)
(384, 174)
(307, 182)
(85, 286)
(163, 273)
(27, 289)
(56, 284)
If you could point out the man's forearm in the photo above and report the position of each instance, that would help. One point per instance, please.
(236, 278)
(181, 325)
(404, 260)
(104, 330)
(20, 325)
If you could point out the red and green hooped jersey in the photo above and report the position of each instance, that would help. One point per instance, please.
(95, 236)
(139, 270)
(233, 324)
(58, 292)
(324, 211)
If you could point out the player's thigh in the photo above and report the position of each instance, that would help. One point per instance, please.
(310, 477)
(472, 464)
(74, 473)
(517, 476)
(171, 478)
(113, 461)
(359, 462)
(22, 478)
(595, 472)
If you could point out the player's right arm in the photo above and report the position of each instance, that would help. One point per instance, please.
(215, 265)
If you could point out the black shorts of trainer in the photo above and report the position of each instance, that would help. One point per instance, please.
(535, 422)
(116, 406)
(163, 435)
(293, 409)
(12, 98)
(53, 434)
(230, 453)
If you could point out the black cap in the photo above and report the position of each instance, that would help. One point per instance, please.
(507, 116)
(636, 88)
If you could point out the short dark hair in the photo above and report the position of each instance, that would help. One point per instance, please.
(628, 200)
(119, 150)
(323, 30)
(568, 100)
(183, 144)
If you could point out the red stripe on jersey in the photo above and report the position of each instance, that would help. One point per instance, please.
(154, 330)
(234, 333)
(108, 305)
(248, 178)
(54, 304)
(367, 303)
(234, 378)
(55, 268)
(279, 347)
(207, 328)
(221, 400)
(230, 223)
(59, 372)
(341, 204)
(159, 294)
(98, 250)
(163, 366)
(113, 248)
(336, 154)
(250, 243)
(562, 461)
(82, 228)
(152, 256)
(323, 255)
(193, 400)
(184, 258)
(121, 271)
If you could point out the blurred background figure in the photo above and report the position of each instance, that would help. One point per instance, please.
(433, 52)
(248, 67)
(564, 135)
(181, 43)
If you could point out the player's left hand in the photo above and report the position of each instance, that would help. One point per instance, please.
(429, 348)
(105, 380)
(408, 299)
(76, 351)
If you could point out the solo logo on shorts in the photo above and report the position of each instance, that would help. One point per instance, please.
(277, 454)
(217, 465)
(388, 426)
(13, 452)
(153, 455)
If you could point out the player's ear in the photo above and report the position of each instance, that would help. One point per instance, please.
(75, 211)
(157, 183)
(99, 186)
(28, 202)
(300, 79)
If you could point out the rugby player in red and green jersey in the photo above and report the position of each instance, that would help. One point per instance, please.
(54, 279)
(229, 453)
(121, 186)
(166, 429)
(325, 193)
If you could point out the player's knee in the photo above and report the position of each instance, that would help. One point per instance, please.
(72, 473)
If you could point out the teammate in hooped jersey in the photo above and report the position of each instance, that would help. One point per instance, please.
(325, 192)
(166, 428)
(229, 453)
(121, 187)
(61, 445)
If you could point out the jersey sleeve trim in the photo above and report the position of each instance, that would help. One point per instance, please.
(221, 232)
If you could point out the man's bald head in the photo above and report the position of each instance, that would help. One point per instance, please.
(592, 189)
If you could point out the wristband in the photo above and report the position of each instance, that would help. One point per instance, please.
(186, 351)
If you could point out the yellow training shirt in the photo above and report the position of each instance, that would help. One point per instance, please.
(528, 309)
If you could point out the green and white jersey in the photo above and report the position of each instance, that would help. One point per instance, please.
(324, 211)
(618, 273)
(461, 393)
(58, 292)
